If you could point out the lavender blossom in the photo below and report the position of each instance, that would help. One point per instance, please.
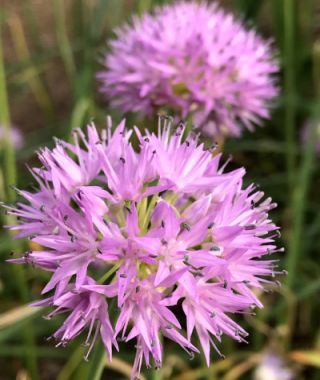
(196, 59)
(148, 229)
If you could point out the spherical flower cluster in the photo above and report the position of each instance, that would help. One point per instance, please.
(158, 231)
(196, 58)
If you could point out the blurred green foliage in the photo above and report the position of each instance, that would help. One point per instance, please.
(50, 54)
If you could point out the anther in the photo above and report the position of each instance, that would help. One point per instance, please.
(213, 147)
(128, 209)
(185, 226)
(122, 160)
(27, 254)
(210, 225)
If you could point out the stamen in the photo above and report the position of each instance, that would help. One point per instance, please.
(164, 242)
(86, 357)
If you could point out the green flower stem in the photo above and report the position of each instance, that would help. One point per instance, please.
(298, 215)
(289, 87)
(71, 365)
(63, 40)
(79, 112)
(302, 187)
(10, 176)
(110, 272)
(147, 215)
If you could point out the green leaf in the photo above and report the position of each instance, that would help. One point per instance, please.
(14, 320)
(97, 362)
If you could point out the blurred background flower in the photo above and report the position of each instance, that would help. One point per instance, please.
(197, 60)
(272, 367)
(16, 137)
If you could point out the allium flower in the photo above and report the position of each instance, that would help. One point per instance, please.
(272, 367)
(16, 136)
(150, 229)
(199, 60)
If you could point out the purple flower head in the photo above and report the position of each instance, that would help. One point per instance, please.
(196, 58)
(148, 230)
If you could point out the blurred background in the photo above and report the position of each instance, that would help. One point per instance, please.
(49, 54)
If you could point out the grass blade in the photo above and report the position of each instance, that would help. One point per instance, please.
(98, 361)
